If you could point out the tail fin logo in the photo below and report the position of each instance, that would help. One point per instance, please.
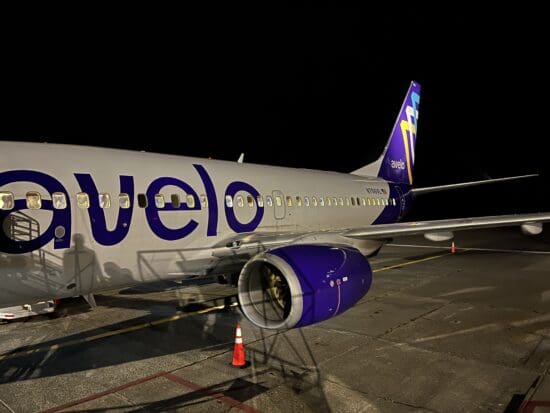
(398, 160)
(408, 131)
(400, 164)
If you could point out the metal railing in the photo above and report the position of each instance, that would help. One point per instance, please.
(23, 227)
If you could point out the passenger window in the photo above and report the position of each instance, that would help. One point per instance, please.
(386, 201)
(190, 201)
(176, 202)
(347, 201)
(6, 201)
(142, 201)
(321, 201)
(352, 201)
(250, 201)
(363, 202)
(268, 200)
(377, 201)
(329, 201)
(82, 200)
(159, 201)
(228, 201)
(306, 201)
(240, 201)
(289, 201)
(314, 201)
(104, 200)
(59, 200)
(34, 201)
(341, 201)
(393, 202)
(204, 201)
(358, 202)
(298, 201)
(278, 201)
(124, 201)
(369, 201)
(260, 201)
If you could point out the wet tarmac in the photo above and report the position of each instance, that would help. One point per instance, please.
(438, 332)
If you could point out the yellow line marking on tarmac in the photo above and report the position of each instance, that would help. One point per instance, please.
(410, 262)
(130, 329)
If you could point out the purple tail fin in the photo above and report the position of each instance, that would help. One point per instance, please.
(397, 161)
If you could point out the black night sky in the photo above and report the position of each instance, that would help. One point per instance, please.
(314, 88)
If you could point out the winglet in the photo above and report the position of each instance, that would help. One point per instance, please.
(241, 158)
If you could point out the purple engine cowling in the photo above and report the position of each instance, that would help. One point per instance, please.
(298, 285)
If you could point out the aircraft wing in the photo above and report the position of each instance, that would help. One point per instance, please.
(421, 227)
(252, 243)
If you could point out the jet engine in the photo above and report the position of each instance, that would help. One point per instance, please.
(298, 285)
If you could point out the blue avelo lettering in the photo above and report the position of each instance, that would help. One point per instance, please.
(152, 212)
(106, 237)
(212, 200)
(97, 216)
(232, 220)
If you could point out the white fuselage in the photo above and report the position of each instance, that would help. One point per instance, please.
(81, 254)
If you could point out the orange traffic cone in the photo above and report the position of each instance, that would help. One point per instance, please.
(453, 248)
(238, 352)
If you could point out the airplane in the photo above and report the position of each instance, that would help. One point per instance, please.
(78, 220)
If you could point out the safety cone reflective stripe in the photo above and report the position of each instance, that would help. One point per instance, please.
(453, 248)
(238, 352)
(238, 335)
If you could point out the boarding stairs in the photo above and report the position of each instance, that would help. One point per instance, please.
(22, 227)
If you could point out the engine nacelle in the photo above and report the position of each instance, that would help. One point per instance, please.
(298, 285)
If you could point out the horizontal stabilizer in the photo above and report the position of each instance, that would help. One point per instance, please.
(418, 191)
